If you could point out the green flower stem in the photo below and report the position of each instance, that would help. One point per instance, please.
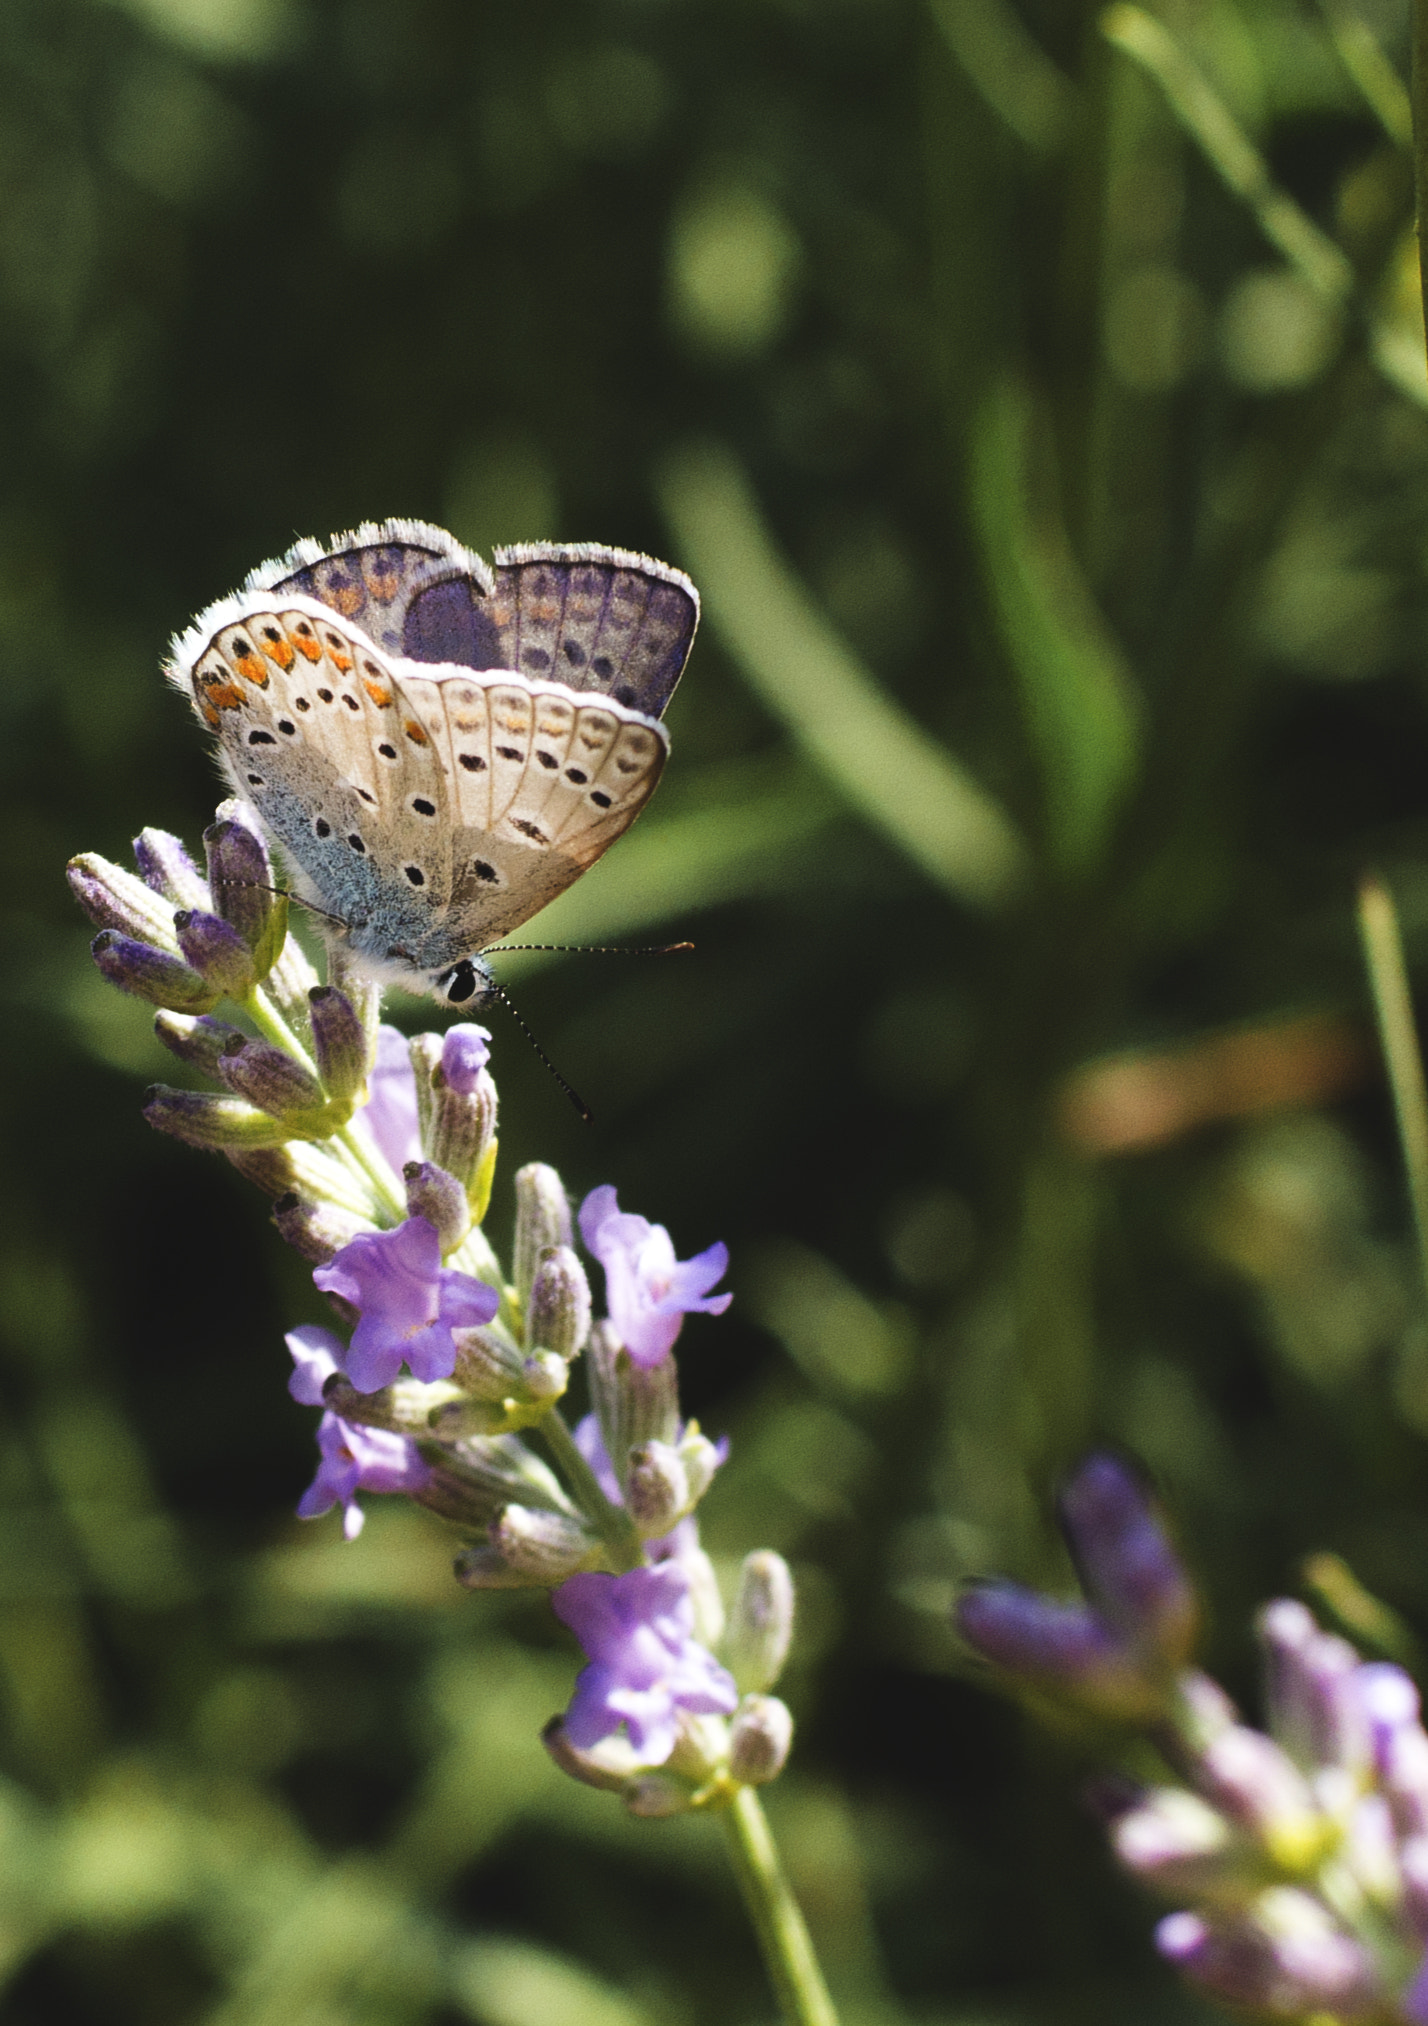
(611, 1522)
(783, 1936)
(1393, 1004)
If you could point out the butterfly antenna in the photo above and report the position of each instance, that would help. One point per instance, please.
(588, 949)
(490, 985)
(286, 893)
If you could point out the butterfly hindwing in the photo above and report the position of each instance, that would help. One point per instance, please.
(595, 619)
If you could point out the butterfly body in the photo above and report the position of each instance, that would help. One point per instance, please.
(440, 748)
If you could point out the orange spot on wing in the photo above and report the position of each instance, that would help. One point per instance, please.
(308, 647)
(380, 696)
(280, 651)
(225, 696)
(415, 733)
(341, 662)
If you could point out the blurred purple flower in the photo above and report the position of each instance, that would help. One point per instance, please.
(1061, 1645)
(1130, 1572)
(1286, 1956)
(646, 1666)
(648, 1292)
(391, 1107)
(316, 1355)
(359, 1459)
(464, 1054)
(407, 1301)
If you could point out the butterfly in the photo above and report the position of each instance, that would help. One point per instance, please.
(439, 746)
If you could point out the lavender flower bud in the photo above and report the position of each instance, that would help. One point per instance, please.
(1201, 1709)
(558, 1312)
(542, 1220)
(486, 1568)
(152, 974)
(546, 1547)
(198, 1039)
(760, 1736)
(1179, 1845)
(440, 1198)
(406, 1407)
(115, 899)
(545, 1376)
(456, 1108)
(221, 1124)
(1404, 1776)
(165, 866)
(216, 951)
(1130, 1572)
(701, 1459)
(488, 1365)
(655, 1796)
(656, 1489)
(609, 1765)
(240, 879)
(1413, 1871)
(635, 1403)
(271, 1169)
(1286, 1954)
(1311, 1682)
(1061, 1647)
(339, 1042)
(761, 1621)
(274, 1081)
(528, 1549)
(316, 1230)
(1259, 1786)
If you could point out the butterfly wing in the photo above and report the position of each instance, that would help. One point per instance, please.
(593, 618)
(543, 782)
(412, 588)
(315, 730)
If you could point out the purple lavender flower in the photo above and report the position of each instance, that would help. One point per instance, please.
(1063, 1646)
(648, 1292)
(1130, 1571)
(360, 1459)
(408, 1304)
(1285, 1955)
(391, 1107)
(464, 1054)
(316, 1355)
(646, 1666)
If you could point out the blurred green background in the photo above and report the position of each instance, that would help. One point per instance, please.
(1039, 402)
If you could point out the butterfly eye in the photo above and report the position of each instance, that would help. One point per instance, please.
(462, 983)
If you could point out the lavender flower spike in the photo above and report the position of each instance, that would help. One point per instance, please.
(648, 1292)
(646, 1667)
(359, 1459)
(407, 1301)
(1058, 1646)
(1131, 1573)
